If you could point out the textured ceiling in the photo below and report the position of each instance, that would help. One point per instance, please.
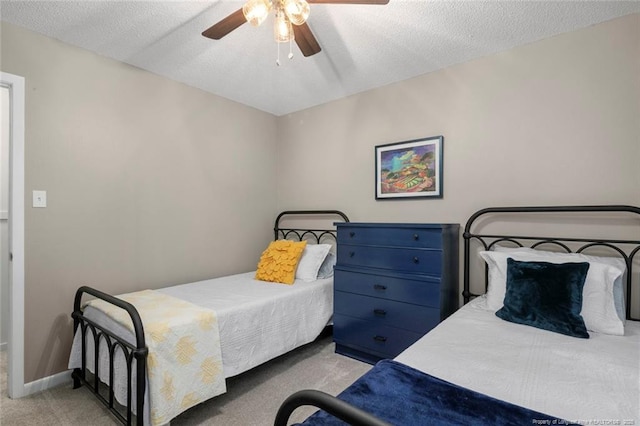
(363, 46)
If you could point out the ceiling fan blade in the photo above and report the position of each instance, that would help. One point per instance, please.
(348, 1)
(225, 26)
(306, 40)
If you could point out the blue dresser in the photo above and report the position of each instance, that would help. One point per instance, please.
(393, 282)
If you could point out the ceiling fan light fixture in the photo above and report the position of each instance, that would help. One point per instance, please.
(290, 12)
(256, 11)
(282, 29)
(297, 11)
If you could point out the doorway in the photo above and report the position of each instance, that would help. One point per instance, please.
(4, 217)
(12, 268)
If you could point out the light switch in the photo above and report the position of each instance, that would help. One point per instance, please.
(39, 198)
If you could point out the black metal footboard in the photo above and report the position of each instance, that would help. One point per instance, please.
(332, 405)
(138, 353)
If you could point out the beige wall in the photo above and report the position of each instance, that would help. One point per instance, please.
(149, 183)
(550, 123)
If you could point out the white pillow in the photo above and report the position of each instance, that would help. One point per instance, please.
(311, 260)
(598, 307)
(326, 269)
(618, 284)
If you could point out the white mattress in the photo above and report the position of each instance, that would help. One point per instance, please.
(257, 320)
(580, 380)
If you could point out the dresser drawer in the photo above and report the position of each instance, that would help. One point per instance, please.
(421, 261)
(384, 312)
(424, 291)
(391, 236)
(385, 341)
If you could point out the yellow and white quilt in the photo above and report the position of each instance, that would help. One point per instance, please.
(184, 365)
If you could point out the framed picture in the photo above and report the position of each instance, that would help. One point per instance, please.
(409, 169)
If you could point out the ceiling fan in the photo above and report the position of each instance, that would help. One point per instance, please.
(290, 20)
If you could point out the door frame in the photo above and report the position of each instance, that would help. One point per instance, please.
(15, 370)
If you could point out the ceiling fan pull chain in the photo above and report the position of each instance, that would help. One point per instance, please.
(278, 58)
(290, 48)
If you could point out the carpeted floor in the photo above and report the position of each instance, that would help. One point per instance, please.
(252, 398)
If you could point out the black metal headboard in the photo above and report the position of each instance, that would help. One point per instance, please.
(316, 235)
(626, 249)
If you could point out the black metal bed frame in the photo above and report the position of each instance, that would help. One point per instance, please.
(138, 352)
(356, 416)
(488, 241)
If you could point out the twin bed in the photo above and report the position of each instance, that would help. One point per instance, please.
(256, 321)
(475, 367)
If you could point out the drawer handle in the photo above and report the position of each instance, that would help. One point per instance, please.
(379, 287)
(352, 234)
(352, 253)
(380, 312)
(416, 237)
(416, 260)
(380, 339)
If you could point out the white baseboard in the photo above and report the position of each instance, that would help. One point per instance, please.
(47, 383)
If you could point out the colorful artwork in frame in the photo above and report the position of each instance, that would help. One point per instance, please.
(409, 169)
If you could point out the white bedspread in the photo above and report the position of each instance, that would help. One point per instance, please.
(257, 320)
(587, 381)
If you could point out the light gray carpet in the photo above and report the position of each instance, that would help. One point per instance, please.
(252, 398)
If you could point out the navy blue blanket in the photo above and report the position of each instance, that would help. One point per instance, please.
(402, 395)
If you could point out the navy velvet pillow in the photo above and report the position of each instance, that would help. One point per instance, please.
(546, 295)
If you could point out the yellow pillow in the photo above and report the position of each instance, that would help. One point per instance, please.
(279, 261)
